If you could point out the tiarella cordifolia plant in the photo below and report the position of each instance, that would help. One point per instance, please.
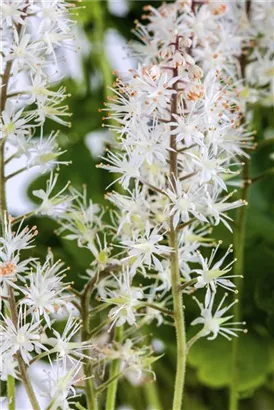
(182, 140)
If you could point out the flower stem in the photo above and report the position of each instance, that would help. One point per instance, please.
(179, 323)
(239, 240)
(114, 370)
(11, 392)
(177, 294)
(98, 38)
(194, 339)
(90, 390)
(152, 396)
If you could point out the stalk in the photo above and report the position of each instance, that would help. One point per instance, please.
(239, 245)
(90, 390)
(152, 396)
(179, 320)
(114, 370)
(98, 39)
(11, 392)
(239, 241)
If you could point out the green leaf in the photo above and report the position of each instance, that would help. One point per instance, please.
(212, 359)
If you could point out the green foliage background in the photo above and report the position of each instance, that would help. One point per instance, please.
(209, 365)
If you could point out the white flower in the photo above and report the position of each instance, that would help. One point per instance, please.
(64, 344)
(134, 209)
(216, 323)
(12, 12)
(212, 274)
(211, 167)
(184, 203)
(82, 220)
(59, 384)
(52, 205)
(39, 90)
(127, 166)
(149, 143)
(23, 52)
(44, 289)
(216, 210)
(11, 245)
(186, 131)
(14, 125)
(126, 298)
(145, 250)
(23, 337)
(136, 362)
(45, 153)
(8, 366)
(51, 109)
(153, 88)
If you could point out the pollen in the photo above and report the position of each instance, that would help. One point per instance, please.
(8, 269)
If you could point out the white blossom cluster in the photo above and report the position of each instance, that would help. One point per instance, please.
(34, 35)
(172, 109)
(260, 68)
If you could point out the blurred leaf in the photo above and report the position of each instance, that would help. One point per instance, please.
(265, 291)
(212, 359)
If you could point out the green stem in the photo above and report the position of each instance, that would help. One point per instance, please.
(22, 217)
(194, 339)
(177, 294)
(90, 390)
(239, 241)
(153, 399)
(188, 283)
(268, 173)
(19, 171)
(113, 371)
(98, 39)
(11, 392)
(105, 385)
(98, 328)
(179, 322)
(79, 406)
(156, 307)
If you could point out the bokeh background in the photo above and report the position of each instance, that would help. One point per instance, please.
(103, 31)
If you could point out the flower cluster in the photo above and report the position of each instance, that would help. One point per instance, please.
(180, 136)
(259, 70)
(41, 293)
(33, 33)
